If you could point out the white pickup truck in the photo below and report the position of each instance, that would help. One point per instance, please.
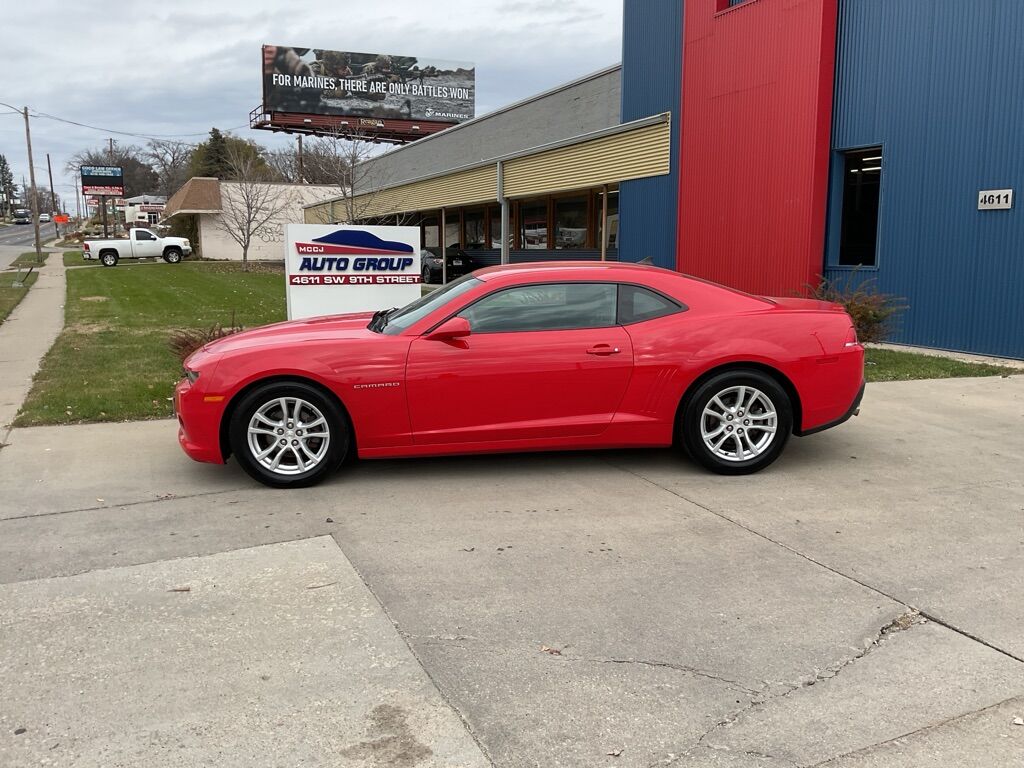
(141, 244)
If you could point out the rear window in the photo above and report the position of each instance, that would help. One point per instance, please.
(637, 304)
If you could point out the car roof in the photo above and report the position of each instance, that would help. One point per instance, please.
(606, 269)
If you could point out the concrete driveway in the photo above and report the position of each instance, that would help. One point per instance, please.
(861, 603)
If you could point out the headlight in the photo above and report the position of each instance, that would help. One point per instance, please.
(192, 376)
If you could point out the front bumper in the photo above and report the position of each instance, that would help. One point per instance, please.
(198, 423)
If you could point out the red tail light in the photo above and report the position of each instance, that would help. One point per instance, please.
(851, 337)
(85, 247)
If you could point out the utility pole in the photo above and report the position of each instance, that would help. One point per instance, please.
(53, 198)
(302, 170)
(35, 194)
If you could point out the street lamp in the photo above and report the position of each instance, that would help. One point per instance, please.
(32, 178)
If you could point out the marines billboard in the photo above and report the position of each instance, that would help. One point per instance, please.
(316, 81)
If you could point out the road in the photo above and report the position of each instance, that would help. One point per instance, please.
(18, 239)
(858, 604)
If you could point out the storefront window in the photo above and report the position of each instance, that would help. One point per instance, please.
(533, 228)
(431, 232)
(613, 220)
(473, 230)
(451, 230)
(571, 222)
(496, 228)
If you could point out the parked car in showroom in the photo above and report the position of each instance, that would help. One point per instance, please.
(534, 357)
(459, 264)
(140, 244)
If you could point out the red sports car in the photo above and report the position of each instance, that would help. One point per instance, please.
(534, 357)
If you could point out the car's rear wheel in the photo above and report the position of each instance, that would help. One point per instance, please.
(288, 434)
(108, 259)
(172, 256)
(737, 422)
(426, 275)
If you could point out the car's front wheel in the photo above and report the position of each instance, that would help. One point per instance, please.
(426, 275)
(737, 422)
(172, 255)
(288, 434)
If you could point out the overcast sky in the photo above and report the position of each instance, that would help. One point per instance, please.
(181, 67)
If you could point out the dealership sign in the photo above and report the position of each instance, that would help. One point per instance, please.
(334, 269)
(377, 86)
(102, 180)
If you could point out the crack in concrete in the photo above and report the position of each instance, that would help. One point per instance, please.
(121, 505)
(455, 641)
(695, 671)
(782, 545)
(923, 729)
(905, 621)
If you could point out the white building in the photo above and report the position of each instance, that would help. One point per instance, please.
(143, 210)
(203, 199)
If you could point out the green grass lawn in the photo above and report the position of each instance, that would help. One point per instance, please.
(9, 295)
(895, 365)
(29, 259)
(111, 362)
(74, 259)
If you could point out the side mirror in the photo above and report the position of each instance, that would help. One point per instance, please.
(453, 328)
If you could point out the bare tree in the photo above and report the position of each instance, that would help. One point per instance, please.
(170, 161)
(250, 203)
(284, 162)
(343, 161)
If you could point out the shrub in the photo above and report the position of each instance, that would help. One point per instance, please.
(187, 340)
(872, 312)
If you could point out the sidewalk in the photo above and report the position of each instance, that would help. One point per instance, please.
(27, 335)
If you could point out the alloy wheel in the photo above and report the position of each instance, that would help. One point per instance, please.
(739, 423)
(288, 436)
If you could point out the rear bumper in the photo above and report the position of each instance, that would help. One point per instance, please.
(853, 410)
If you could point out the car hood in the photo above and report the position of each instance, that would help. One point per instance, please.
(296, 332)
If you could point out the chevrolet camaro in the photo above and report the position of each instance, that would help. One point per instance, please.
(533, 357)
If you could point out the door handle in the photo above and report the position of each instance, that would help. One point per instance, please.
(603, 349)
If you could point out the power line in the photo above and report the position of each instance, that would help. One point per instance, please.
(152, 137)
(149, 137)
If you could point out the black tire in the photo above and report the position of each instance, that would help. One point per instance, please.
(751, 430)
(427, 274)
(108, 259)
(290, 475)
(172, 255)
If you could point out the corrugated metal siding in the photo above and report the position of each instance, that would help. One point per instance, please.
(937, 84)
(476, 185)
(629, 155)
(652, 55)
(757, 102)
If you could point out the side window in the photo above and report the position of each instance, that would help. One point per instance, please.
(141, 234)
(544, 307)
(637, 304)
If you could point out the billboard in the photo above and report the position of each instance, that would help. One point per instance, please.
(367, 85)
(102, 180)
(333, 269)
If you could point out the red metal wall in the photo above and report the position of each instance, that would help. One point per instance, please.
(756, 121)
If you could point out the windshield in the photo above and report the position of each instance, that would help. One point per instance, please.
(402, 318)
